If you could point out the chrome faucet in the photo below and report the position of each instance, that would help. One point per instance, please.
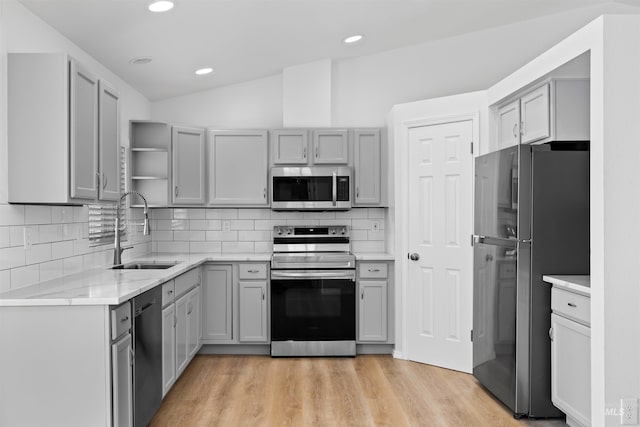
(146, 230)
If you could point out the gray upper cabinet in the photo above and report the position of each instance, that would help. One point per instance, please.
(188, 171)
(367, 167)
(109, 142)
(62, 122)
(330, 146)
(83, 124)
(238, 166)
(556, 110)
(289, 146)
(150, 162)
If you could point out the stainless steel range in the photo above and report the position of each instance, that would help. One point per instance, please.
(313, 292)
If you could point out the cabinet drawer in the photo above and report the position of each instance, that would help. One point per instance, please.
(371, 270)
(186, 281)
(120, 320)
(574, 306)
(168, 292)
(253, 271)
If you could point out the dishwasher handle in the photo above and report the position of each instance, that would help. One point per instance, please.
(144, 308)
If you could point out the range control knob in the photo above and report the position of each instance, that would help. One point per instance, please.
(332, 231)
(343, 230)
(279, 231)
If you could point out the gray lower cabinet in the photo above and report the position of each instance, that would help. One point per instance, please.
(217, 295)
(122, 366)
(253, 311)
(373, 302)
(168, 348)
(187, 328)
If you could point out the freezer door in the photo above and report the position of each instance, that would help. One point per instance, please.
(496, 194)
(494, 318)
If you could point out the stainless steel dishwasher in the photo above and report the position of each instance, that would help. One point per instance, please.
(147, 366)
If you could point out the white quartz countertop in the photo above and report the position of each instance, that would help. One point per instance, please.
(579, 284)
(364, 256)
(103, 286)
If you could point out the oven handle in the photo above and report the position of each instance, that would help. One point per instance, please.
(315, 274)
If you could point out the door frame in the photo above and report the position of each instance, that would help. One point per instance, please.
(401, 216)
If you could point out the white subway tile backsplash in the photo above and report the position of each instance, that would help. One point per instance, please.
(12, 257)
(61, 214)
(163, 224)
(319, 215)
(303, 222)
(358, 213)
(16, 235)
(189, 235)
(375, 235)
(286, 215)
(161, 213)
(188, 214)
(60, 250)
(24, 276)
(263, 247)
(237, 247)
(179, 224)
(5, 280)
(222, 236)
(377, 213)
(5, 237)
(221, 214)
(359, 235)
(368, 246)
(38, 253)
(241, 224)
(37, 214)
(173, 247)
(50, 233)
(361, 224)
(199, 247)
(160, 235)
(260, 224)
(254, 213)
(255, 236)
(11, 215)
(80, 214)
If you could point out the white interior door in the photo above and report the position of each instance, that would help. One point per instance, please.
(440, 288)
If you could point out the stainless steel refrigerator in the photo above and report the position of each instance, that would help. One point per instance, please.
(531, 218)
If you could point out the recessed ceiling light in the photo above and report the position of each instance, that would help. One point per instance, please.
(353, 39)
(203, 71)
(141, 60)
(161, 6)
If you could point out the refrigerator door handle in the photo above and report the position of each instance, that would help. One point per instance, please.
(496, 241)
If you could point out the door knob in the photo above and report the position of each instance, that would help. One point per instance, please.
(414, 256)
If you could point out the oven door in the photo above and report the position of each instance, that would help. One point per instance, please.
(313, 306)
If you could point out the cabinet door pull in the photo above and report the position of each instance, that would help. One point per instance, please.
(175, 320)
(263, 295)
(176, 191)
(104, 181)
(374, 270)
(253, 271)
(515, 127)
(551, 334)
(170, 291)
(189, 308)
(357, 192)
(124, 319)
(570, 304)
(362, 294)
(304, 153)
(316, 152)
(264, 193)
(522, 128)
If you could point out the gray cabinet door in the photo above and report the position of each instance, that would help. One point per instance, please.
(109, 142)
(188, 165)
(253, 311)
(330, 146)
(168, 347)
(83, 123)
(182, 333)
(122, 382)
(367, 171)
(372, 313)
(217, 299)
(508, 117)
(289, 146)
(193, 322)
(238, 166)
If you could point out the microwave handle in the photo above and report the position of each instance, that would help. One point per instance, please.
(335, 188)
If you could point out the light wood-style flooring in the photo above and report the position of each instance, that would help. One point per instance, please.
(361, 391)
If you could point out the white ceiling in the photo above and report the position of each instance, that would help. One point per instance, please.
(248, 39)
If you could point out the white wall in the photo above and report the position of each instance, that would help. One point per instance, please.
(364, 89)
(251, 105)
(59, 234)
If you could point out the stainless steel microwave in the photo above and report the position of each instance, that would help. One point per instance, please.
(315, 188)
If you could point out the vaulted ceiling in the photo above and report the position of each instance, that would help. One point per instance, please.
(248, 39)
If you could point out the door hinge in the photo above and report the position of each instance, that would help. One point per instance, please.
(471, 335)
(471, 146)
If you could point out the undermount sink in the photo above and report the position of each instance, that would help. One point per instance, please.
(145, 265)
